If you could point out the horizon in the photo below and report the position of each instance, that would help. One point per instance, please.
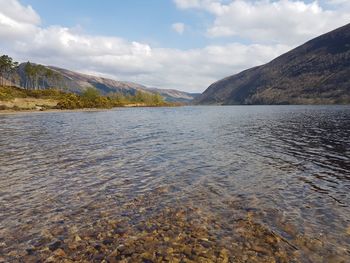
(188, 47)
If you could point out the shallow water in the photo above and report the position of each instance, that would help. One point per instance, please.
(286, 168)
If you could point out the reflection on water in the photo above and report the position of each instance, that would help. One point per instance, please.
(239, 183)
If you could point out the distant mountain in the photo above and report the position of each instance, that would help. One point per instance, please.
(314, 73)
(172, 95)
(76, 82)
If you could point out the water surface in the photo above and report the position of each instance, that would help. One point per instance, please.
(284, 168)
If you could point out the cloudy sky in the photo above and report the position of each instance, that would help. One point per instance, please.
(180, 44)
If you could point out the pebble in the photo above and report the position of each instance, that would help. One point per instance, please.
(173, 234)
(108, 241)
(260, 249)
(348, 231)
(55, 245)
(60, 253)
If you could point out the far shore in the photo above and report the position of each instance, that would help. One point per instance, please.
(12, 112)
(15, 100)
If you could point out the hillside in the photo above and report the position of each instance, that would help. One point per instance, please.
(317, 72)
(77, 83)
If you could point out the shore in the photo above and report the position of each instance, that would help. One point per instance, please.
(15, 100)
(12, 112)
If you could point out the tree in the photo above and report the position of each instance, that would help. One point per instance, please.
(91, 94)
(7, 67)
(49, 75)
(37, 76)
(28, 69)
(157, 99)
(43, 75)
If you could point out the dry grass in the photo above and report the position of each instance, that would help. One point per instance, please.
(28, 103)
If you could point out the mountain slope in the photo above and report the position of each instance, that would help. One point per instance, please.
(172, 95)
(78, 82)
(313, 73)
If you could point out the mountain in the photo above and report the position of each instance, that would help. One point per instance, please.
(172, 95)
(317, 72)
(77, 82)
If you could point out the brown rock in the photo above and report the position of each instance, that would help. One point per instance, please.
(223, 257)
(60, 253)
(260, 249)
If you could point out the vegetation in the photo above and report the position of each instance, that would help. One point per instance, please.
(10, 93)
(38, 78)
(7, 69)
(91, 98)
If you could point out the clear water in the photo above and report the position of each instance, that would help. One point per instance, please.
(288, 165)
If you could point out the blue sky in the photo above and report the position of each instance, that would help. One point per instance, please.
(143, 21)
(177, 44)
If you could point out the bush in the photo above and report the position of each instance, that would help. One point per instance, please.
(3, 107)
(91, 94)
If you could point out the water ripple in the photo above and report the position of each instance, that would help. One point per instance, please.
(290, 162)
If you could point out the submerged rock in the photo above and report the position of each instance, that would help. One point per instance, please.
(55, 245)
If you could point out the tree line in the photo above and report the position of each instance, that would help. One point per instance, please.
(36, 76)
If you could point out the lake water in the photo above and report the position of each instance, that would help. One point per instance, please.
(231, 183)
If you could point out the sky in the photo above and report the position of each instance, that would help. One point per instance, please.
(173, 44)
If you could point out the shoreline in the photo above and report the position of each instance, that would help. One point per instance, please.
(12, 112)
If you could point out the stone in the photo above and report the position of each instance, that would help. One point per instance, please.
(260, 250)
(120, 231)
(223, 256)
(30, 251)
(99, 258)
(97, 246)
(108, 241)
(348, 231)
(187, 251)
(147, 256)
(60, 253)
(51, 259)
(55, 245)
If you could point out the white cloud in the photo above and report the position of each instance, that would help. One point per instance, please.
(265, 21)
(338, 2)
(178, 27)
(22, 14)
(190, 70)
(17, 21)
(193, 70)
(187, 3)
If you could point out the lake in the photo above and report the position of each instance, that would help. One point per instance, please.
(205, 183)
